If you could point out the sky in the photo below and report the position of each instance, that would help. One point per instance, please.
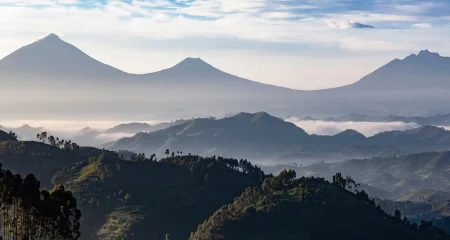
(303, 44)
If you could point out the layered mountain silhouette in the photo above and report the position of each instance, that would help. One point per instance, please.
(417, 84)
(260, 136)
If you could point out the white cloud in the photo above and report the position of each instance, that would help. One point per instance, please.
(422, 25)
(345, 24)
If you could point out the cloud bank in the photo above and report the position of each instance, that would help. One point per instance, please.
(366, 128)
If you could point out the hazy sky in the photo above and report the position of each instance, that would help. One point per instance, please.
(305, 44)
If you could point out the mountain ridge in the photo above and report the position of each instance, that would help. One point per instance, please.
(276, 139)
(186, 68)
(52, 66)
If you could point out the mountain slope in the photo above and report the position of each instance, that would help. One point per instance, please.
(399, 175)
(54, 59)
(425, 70)
(149, 199)
(307, 208)
(6, 137)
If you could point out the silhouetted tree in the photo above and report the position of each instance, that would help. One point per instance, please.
(167, 152)
(42, 136)
(12, 134)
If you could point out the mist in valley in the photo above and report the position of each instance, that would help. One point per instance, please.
(368, 129)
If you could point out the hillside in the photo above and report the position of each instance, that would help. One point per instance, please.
(43, 160)
(263, 137)
(398, 175)
(6, 137)
(149, 199)
(307, 208)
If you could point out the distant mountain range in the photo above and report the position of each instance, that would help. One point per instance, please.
(89, 136)
(25, 132)
(262, 137)
(53, 69)
(136, 127)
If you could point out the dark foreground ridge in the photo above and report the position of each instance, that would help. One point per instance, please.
(309, 208)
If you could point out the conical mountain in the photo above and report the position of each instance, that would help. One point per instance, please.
(425, 70)
(53, 58)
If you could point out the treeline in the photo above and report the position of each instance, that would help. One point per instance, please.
(286, 207)
(27, 212)
(67, 145)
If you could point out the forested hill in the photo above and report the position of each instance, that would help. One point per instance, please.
(6, 137)
(398, 176)
(260, 136)
(148, 199)
(42, 159)
(309, 208)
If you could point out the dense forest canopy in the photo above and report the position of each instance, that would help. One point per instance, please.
(173, 195)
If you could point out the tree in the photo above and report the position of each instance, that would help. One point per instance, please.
(52, 141)
(167, 152)
(12, 134)
(397, 214)
(339, 180)
(29, 213)
(42, 136)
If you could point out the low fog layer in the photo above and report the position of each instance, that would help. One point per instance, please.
(320, 127)
(85, 133)
(70, 126)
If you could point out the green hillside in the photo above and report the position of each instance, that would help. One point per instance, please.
(307, 208)
(149, 199)
(42, 159)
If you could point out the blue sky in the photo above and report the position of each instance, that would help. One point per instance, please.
(305, 44)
